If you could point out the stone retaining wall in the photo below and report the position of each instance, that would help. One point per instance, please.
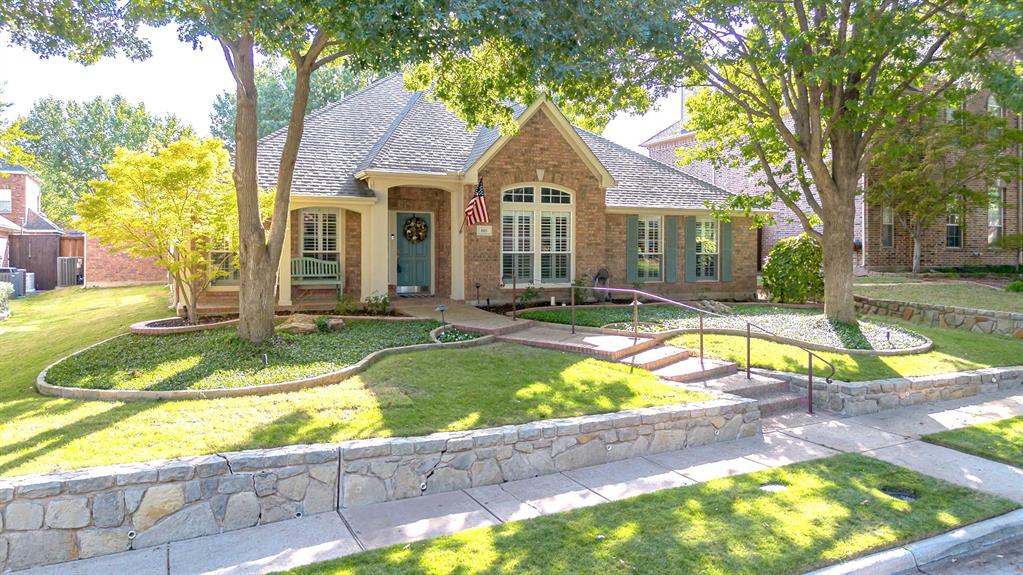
(976, 320)
(859, 397)
(59, 517)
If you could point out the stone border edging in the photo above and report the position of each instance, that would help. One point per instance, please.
(662, 335)
(913, 556)
(45, 388)
(953, 317)
(143, 327)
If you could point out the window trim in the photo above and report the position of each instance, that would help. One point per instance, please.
(537, 209)
(717, 248)
(9, 201)
(1000, 191)
(640, 256)
(959, 229)
(887, 212)
(338, 234)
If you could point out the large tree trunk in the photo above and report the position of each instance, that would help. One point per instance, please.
(257, 271)
(916, 249)
(838, 202)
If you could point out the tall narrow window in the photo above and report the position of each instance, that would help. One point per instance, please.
(319, 235)
(887, 227)
(533, 218)
(5, 202)
(995, 214)
(954, 230)
(993, 107)
(649, 248)
(706, 249)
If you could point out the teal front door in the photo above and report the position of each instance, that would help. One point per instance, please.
(414, 258)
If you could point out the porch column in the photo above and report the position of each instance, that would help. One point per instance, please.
(375, 246)
(457, 245)
(284, 268)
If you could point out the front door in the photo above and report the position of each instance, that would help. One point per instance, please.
(415, 234)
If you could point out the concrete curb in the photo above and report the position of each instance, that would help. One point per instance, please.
(910, 557)
(45, 388)
(143, 327)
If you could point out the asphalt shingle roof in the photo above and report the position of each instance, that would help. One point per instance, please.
(386, 127)
(37, 222)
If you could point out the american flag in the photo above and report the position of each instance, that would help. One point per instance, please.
(476, 210)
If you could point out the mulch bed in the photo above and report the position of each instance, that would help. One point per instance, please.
(181, 322)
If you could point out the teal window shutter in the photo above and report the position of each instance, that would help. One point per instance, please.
(670, 249)
(631, 255)
(690, 247)
(726, 251)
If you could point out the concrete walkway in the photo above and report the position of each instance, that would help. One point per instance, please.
(891, 436)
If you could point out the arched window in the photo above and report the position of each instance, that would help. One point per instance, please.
(536, 235)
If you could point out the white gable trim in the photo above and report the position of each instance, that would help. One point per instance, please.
(566, 130)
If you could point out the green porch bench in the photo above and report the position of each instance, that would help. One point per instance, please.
(311, 271)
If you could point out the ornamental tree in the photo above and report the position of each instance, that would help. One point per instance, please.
(936, 167)
(176, 205)
(802, 92)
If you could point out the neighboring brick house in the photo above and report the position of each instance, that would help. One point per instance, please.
(662, 147)
(959, 239)
(105, 267)
(28, 240)
(564, 204)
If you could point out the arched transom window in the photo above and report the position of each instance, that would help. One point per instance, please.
(536, 235)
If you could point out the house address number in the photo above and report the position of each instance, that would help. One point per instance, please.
(484, 230)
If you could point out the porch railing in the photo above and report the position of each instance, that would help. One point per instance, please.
(637, 294)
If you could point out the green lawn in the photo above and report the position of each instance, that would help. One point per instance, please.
(999, 440)
(964, 294)
(954, 350)
(217, 359)
(803, 324)
(410, 394)
(831, 510)
(861, 280)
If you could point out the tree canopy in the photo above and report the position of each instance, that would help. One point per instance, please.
(81, 30)
(70, 141)
(275, 81)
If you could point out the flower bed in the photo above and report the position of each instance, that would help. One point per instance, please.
(791, 324)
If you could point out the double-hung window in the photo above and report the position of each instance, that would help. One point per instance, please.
(887, 227)
(649, 248)
(536, 235)
(319, 235)
(706, 249)
(954, 229)
(5, 202)
(995, 214)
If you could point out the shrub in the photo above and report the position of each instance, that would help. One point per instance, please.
(793, 272)
(6, 289)
(1016, 286)
(378, 304)
(346, 305)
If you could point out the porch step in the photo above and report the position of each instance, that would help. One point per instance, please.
(782, 402)
(755, 387)
(694, 369)
(657, 357)
(609, 347)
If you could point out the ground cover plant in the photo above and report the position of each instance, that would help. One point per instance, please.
(409, 394)
(998, 440)
(963, 294)
(829, 510)
(804, 324)
(953, 350)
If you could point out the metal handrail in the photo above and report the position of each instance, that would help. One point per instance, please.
(636, 294)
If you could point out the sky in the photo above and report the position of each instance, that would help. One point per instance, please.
(181, 81)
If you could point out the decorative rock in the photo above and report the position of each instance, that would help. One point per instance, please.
(193, 491)
(67, 513)
(242, 511)
(39, 548)
(293, 487)
(96, 542)
(234, 483)
(108, 509)
(23, 516)
(37, 488)
(299, 323)
(132, 498)
(193, 521)
(158, 502)
(88, 483)
(335, 324)
(266, 482)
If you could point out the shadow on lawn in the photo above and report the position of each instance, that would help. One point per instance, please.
(831, 510)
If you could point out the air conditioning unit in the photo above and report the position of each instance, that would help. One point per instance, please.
(69, 269)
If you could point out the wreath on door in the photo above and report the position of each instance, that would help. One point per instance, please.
(415, 230)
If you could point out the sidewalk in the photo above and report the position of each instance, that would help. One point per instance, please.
(891, 436)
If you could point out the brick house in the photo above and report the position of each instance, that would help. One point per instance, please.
(383, 176)
(962, 239)
(28, 239)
